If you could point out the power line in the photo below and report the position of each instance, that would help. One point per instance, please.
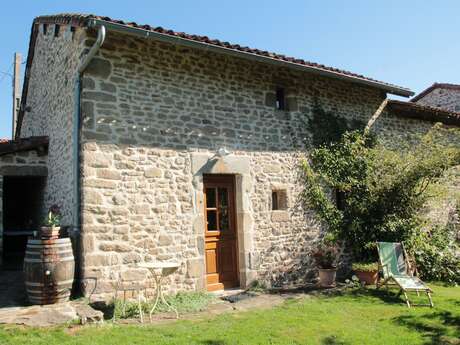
(5, 74)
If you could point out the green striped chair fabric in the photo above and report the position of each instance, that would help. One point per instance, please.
(392, 259)
(393, 262)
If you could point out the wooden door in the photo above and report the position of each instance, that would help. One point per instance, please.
(220, 232)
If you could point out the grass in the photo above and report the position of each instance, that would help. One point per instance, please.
(182, 302)
(355, 317)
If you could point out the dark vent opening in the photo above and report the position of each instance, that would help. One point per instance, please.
(280, 99)
(57, 29)
(275, 203)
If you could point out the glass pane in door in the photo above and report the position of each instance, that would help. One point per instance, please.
(211, 216)
(223, 209)
(210, 197)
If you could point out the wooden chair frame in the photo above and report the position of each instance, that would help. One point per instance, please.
(411, 271)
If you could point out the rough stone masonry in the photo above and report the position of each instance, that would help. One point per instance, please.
(153, 116)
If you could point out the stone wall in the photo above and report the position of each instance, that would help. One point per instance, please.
(27, 163)
(445, 98)
(52, 103)
(154, 115)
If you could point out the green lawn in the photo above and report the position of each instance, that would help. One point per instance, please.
(357, 317)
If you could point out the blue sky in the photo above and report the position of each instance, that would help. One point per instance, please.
(408, 43)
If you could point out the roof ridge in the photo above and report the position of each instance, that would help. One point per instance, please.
(435, 85)
(91, 20)
(81, 18)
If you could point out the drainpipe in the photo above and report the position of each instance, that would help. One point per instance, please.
(76, 121)
(94, 49)
(76, 145)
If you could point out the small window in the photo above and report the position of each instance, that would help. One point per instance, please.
(45, 29)
(279, 200)
(280, 99)
(275, 205)
(57, 28)
(72, 31)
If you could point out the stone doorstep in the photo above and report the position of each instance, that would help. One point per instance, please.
(227, 292)
(50, 315)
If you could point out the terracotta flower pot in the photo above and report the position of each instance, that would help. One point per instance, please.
(327, 277)
(49, 232)
(368, 277)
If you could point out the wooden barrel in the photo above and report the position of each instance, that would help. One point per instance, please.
(49, 270)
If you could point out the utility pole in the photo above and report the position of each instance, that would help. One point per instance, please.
(16, 95)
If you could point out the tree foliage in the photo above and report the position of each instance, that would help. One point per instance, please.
(365, 192)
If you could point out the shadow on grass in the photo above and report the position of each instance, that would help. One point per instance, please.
(390, 296)
(439, 328)
(107, 309)
(332, 340)
(213, 342)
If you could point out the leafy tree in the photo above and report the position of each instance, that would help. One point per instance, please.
(379, 191)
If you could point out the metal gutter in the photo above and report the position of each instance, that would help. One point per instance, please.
(245, 55)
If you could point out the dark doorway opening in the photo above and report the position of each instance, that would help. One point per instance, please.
(22, 205)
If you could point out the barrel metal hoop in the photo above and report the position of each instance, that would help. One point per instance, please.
(70, 281)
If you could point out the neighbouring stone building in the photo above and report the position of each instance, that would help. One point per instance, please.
(440, 95)
(163, 146)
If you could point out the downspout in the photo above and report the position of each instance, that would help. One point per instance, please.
(94, 49)
(76, 149)
(76, 122)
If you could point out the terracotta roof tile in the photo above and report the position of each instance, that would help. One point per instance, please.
(82, 18)
(424, 112)
(433, 87)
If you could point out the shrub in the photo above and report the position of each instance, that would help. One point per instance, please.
(326, 256)
(380, 193)
(437, 255)
(365, 267)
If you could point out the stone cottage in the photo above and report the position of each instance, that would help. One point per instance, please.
(440, 95)
(164, 146)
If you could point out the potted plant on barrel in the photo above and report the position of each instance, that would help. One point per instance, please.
(326, 256)
(366, 272)
(51, 225)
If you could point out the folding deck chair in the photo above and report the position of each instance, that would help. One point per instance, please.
(395, 266)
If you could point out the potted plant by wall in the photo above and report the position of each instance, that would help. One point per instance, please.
(326, 257)
(51, 225)
(366, 272)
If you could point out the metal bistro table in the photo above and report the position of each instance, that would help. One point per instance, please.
(159, 271)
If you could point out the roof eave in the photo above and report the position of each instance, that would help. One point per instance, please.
(421, 112)
(93, 22)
